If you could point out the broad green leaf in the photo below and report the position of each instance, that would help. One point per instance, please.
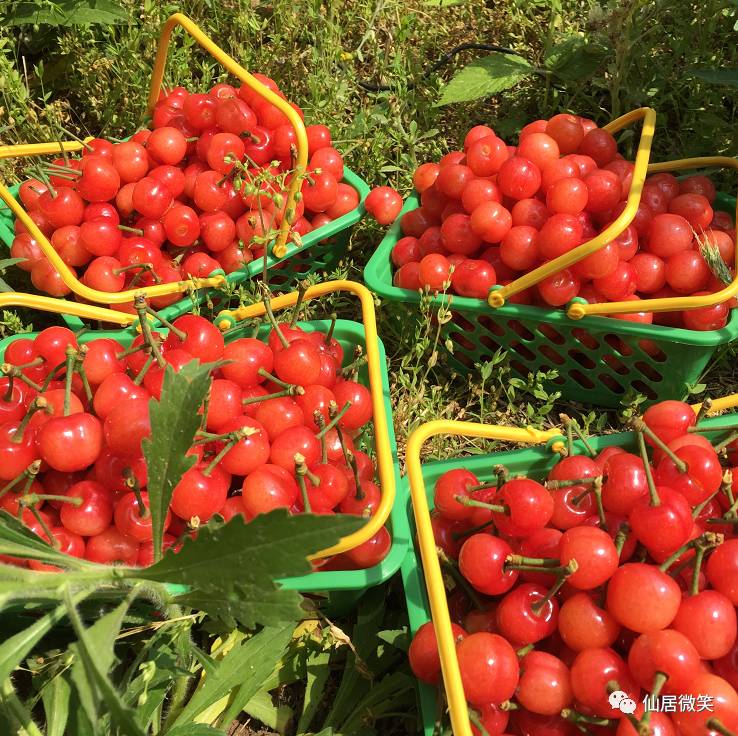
(194, 729)
(66, 13)
(8, 262)
(232, 567)
(486, 76)
(318, 670)
(395, 693)
(576, 58)
(277, 718)
(17, 540)
(15, 649)
(245, 666)
(55, 698)
(726, 77)
(96, 655)
(396, 637)
(174, 421)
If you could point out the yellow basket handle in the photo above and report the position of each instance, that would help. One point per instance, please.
(577, 310)
(61, 306)
(37, 149)
(427, 543)
(178, 19)
(385, 463)
(497, 297)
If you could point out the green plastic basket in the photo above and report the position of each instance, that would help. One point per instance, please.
(535, 462)
(319, 253)
(598, 360)
(342, 588)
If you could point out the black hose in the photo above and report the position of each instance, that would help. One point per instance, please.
(371, 87)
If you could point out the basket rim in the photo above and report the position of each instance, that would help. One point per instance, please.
(375, 279)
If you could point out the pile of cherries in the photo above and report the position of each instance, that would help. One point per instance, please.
(617, 572)
(281, 428)
(493, 212)
(203, 189)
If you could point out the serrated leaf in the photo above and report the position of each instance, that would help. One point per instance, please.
(67, 13)
(245, 666)
(486, 76)
(233, 566)
(55, 698)
(174, 421)
(576, 58)
(120, 714)
(725, 77)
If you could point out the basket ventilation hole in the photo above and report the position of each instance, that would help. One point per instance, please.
(581, 378)
(645, 389)
(523, 351)
(548, 352)
(615, 343)
(611, 383)
(461, 340)
(458, 319)
(582, 358)
(491, 326)
(585, 338)
(464, 359)
(648, 371)
(615, 364)
(551, 334)
(652, 350)
(519, 368)
(492, 345)
(520, 329)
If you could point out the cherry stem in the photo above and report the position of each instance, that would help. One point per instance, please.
(466, 501)
(515, 561)
(29, 474)
(134, 267)
(75, 137)
(27, 499)
(9, 393)
(574, 425)
(655, 500)
(621, 537)
(569, 437)
(38, 404)
(597, 490)
(453, 569)
(704, 410)
(336, 417)
(224, 451)
(133, 484)
(482, 486)
(302, 287)
(352, 368)
(131, 351)
(640, 426)
(732, 437)
(351, 461)
(138, 380)
(61, 170)
(266, 374)
(293, 390)
(41, 174)
(267, 299)
(12, 371)
(79, 367)
(573, 716)
(468, 532)
(476, 721)
(556, 484)
(694, 429)
(136, 230)
(716, 725)
(527, 649)
(706, 540)
(141, 306)
(319, 420)
(569, 569)
(301, 470)
(52, 540)
(71, 355)
(164, 321)
(329, 333)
